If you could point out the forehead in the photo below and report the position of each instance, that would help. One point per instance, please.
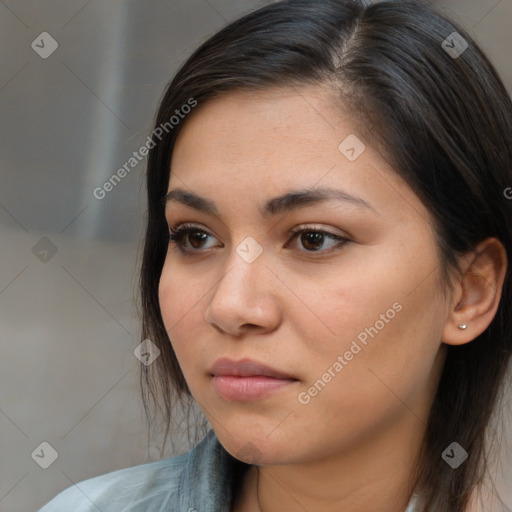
(256, 144)
(268, 117)
(275, 134)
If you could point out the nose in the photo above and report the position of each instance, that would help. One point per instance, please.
(245, 298)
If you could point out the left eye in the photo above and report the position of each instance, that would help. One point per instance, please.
(311, 239)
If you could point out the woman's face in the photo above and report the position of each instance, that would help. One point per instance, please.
(357, 323)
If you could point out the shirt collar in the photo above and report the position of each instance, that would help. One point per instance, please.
(210, 477)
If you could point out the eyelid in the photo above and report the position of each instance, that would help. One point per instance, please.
(298, 229)
(183, 225)
(319, 228)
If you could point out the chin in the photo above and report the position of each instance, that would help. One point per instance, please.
(257, 450)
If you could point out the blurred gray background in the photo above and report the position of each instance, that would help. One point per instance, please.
(68, 121)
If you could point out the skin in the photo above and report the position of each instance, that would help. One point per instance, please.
(352, 446)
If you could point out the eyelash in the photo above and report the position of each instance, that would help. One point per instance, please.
(178, 235)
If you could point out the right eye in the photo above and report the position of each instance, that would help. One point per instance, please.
(188, 233)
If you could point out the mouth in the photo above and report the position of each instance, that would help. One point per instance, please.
(247, 379)
(255, 387)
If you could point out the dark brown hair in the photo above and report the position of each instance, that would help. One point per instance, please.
(444, 123)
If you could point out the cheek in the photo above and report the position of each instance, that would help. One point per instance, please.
(167, 297)
(180, 305)
(348, 307)
(177, 293)
(383, 326)
(374, 383)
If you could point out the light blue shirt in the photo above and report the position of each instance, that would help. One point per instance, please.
(200, 480)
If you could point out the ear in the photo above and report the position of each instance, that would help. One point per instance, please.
(477, 293)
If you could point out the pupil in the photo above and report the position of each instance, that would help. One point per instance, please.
(197, 237)
(312, 238)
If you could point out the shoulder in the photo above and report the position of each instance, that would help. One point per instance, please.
(135, 488)
(200, 479)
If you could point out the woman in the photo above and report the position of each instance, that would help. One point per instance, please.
(325, 270)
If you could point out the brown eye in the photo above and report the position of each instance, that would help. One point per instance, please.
(313, 240)
(195, 237)
(191, 239)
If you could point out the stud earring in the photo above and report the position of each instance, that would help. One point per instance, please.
(463, 326)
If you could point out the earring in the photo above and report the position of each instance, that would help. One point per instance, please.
(463, 326)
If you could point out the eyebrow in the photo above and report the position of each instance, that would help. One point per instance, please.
(292, 200)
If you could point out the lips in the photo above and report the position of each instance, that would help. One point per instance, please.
(246, 368)
(246, 380)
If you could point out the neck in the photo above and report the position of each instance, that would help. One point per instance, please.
(377, 475)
